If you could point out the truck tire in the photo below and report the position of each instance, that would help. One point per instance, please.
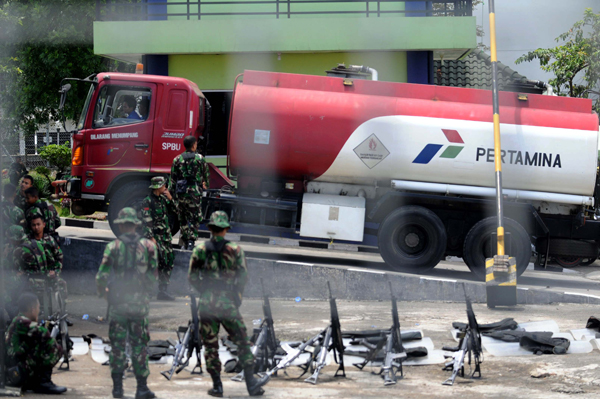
(477, 247)
(132, 195)
(568, 261)
(577, 248)
(129, 195)
(412, 239)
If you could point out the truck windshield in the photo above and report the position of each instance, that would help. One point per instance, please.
(86, 106)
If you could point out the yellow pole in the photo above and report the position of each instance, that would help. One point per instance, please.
(497, 147)
(501, 270)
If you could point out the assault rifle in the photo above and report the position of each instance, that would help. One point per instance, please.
(329, 338)
(266, 343)
(188, 343)
(58, 322)
(469, 345)
(332, 340)
(394, 352)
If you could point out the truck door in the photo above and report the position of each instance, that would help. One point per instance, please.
(177, 119)
(121, 134)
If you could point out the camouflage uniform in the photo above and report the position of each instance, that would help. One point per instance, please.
(11, 215)
(16, 171)
(132, 261)
(39, 258)
(49, 214)
(155, 218)
(220, 277)
(30, 346)
(13, 256)
(20, 201)
(188, 172)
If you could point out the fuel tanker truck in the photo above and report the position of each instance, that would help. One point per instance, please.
(407, 167)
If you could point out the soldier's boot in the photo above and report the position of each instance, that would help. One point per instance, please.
(117, 391)
(217, 389)
(253, 384)
(143, 392)
(163, 295)
(44, 384)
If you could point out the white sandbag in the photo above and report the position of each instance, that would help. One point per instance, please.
(80, 347)
(99, 354)
(545, 325)
(584, 334)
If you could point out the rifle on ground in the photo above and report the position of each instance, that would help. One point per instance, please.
(469, 345)
(332, 340)
(56, 321)
(60, 331)
(393, 353)
(265, 344)
(188, 343)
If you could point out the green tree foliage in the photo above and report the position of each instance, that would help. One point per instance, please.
(42, 42)
(58, 156)
(576, 63)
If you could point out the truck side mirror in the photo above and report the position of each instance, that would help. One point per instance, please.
(63, 95)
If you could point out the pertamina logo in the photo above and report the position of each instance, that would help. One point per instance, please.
(451, 152)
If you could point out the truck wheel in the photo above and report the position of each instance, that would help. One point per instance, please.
(568, 261)
(412, 239)
(478, 246)
(129, 195)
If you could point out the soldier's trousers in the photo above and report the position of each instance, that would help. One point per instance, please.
(234, 325)
(40, 357)
(166, 259)
(137, 327)
(189, 211)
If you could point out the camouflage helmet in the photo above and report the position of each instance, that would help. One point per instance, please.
(157, 182)
(127, 215)
(16, 233)
(219, 219)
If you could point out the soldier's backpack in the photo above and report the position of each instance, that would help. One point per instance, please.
(211, 247)
(182, 185)
(40, 256)
(119, 287)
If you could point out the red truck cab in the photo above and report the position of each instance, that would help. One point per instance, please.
(131, 128)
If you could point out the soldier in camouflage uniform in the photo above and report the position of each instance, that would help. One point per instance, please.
(48, 212)
(42, 261)
(31, 348)
(189, 177)
(218, 272)
(11, 214)
(126, 278)
(20, 201)
(13, 258)
(16, 171)
(155, 218)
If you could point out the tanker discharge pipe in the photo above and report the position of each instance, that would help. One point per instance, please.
(366, 69)
(540, 84)
(475, 191)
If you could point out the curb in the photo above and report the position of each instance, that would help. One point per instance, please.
(277, 241)
(289, 280)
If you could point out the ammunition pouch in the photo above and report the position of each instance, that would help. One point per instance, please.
(181, 186)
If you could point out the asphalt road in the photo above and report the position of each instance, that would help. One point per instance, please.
(580, 280)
